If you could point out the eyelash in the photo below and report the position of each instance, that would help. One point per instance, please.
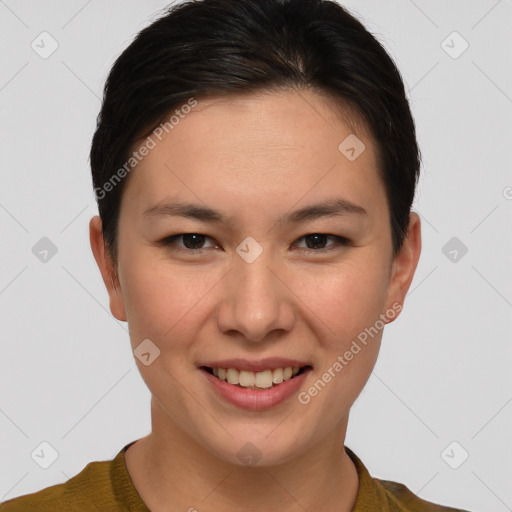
(170, 241)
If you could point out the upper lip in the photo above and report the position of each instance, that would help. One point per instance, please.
(269, 363)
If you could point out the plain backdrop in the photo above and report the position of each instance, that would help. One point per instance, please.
(442, 387)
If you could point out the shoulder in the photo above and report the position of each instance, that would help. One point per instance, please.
(401, 499)
(87, 491)
(388, 496)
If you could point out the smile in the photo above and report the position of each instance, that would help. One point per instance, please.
(256, 389)
(256, 380)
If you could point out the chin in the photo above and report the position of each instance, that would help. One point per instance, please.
(261, 446)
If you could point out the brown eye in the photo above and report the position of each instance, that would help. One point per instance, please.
(189, 241)
(317, 241)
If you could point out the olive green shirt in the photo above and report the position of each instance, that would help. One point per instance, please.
(106, 486)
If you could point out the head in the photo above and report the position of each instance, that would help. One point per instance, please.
(279, 133)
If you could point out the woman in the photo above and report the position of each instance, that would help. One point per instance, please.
(255, 163)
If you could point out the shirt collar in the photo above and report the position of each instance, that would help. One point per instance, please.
(369, 494)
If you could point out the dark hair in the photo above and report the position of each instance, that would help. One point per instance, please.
(206, 48)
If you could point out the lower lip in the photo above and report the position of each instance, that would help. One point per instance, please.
(254, 399)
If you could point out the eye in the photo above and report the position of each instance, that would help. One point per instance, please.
(314, 240)
(195, 242)
(191, 242)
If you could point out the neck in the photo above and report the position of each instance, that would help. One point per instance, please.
(169, 467)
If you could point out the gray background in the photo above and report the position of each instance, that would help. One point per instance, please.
(67, 375)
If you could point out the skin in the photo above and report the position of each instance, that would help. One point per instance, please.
(255, 158)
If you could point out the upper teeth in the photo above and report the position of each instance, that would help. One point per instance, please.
(264, 379)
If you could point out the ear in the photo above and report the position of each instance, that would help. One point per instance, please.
(105, 264)
(403, 267)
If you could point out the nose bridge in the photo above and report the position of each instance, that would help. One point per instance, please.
(254, 302)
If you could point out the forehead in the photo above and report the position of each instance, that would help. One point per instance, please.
(264, 149)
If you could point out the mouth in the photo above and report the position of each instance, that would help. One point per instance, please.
(257, 380)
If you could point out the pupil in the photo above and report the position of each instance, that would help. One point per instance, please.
(196, 240)
(318, 239)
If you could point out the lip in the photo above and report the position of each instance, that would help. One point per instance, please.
(269, 363)
(253, 399)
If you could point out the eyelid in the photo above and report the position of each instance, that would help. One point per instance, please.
(340, 241)
(169, 241)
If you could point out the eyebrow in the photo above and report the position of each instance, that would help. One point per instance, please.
(337, 206)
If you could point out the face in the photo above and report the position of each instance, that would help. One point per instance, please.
(255, 272)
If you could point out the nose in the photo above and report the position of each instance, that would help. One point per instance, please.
(256, 300)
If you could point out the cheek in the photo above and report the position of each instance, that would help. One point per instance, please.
(349, 303)
(165, 304)
(150, 305)
(164, 307)
(346, 298)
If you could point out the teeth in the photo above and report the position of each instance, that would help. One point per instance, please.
(263, 379)
(246, 378)
(256, 380)
(277, 376)
(232, 376)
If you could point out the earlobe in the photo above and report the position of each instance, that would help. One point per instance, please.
(108, 274)
(404, 266)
